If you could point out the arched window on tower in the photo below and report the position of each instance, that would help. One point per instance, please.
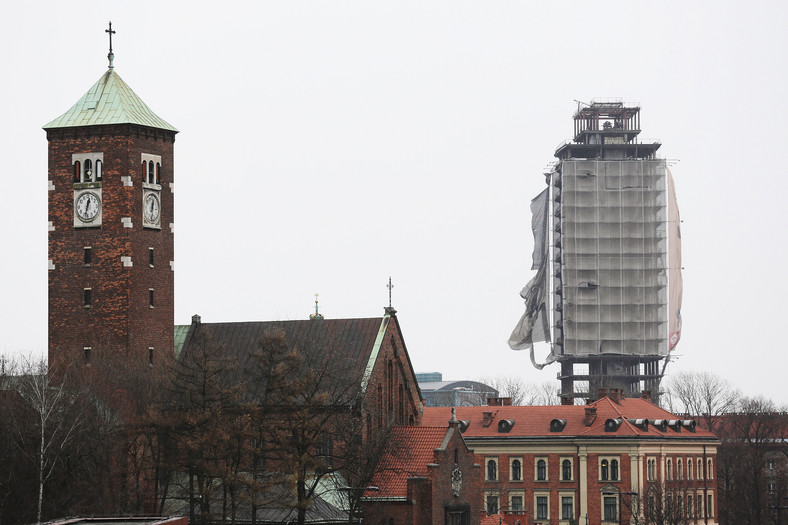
(158, 173)
(614, 469)
(151, 172)
(98, 170)
(144, 171)
(87, 171)
(605, 470)
(77, 171)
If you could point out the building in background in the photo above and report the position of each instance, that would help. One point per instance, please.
(440, 393)
(607, 290)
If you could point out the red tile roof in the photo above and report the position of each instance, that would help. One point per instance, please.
(410, 450)
(534, 421)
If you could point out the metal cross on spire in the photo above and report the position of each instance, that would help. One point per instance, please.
(111, 55)
(390, 286)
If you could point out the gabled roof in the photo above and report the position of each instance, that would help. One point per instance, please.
(109, 101)
(410, 449)
(350, 344)
(534, 421)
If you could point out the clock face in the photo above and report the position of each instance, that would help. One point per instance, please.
(151, 208)
(88, 206)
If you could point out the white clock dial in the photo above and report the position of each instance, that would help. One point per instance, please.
(151, 208)
(88, 206)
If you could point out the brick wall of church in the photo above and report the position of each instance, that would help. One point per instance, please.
(392, 391)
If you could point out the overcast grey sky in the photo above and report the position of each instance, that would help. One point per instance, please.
(327, 145)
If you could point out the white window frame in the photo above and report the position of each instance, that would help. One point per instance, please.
(610, 460)
(546, 468)
(561, 468)
(541, 494)
(511, 469)
(487, 471)
(561, 496)
(514, 494)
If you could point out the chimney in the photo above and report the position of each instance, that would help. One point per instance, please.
(196, 319)
(590, 416)
(646, 395)
(488, 419)
(566, 400)
(499, 401)
(615, 395)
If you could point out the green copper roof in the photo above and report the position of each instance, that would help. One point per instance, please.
(109, 101)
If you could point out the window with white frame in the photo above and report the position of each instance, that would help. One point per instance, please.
(491, 503)
(610, 508)
(567, 506)
(651, 469)
(566, 469)
(669, 469)
(700, 468)
(542, 506)
(679, 470)
(709, 469)
(770, 463)
(87, 167)
(516, 469)
(516, 501)
(491, 472)
(151, 169)
(540, 469)
(699, 507)
(689, 468)
(709, 505)
(609, 468)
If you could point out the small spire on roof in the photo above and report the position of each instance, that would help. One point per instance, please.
(111, 55)
(317, 314)
(453, 420)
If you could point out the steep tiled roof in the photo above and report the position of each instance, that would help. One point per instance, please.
(109, 101)
(350, 344)
(534, 421)
(410, 450)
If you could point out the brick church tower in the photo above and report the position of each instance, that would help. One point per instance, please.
(111, 282)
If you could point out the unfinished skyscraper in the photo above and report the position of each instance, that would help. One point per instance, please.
(607, 290)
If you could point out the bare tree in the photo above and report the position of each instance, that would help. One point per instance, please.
(750, 436)
(523, 392)
(56, 418)
(701, 394)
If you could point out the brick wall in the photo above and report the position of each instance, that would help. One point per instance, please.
(392, 374)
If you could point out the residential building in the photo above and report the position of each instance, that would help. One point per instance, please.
(595, 464)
